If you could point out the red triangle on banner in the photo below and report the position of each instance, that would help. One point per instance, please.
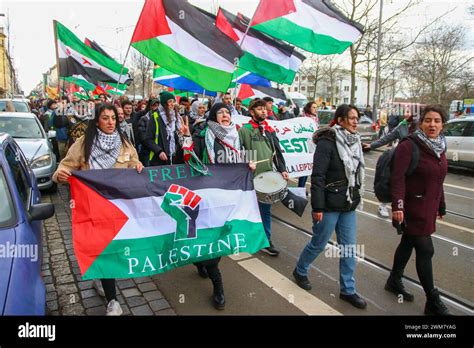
(95, 223)
(223, 24)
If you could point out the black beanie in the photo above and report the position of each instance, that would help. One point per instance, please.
(213, 112)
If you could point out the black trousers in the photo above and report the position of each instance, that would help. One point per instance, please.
(212, 267)
(424, 249)
(109, 289)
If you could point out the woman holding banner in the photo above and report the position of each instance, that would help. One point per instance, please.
(103, 146)
(217, 142)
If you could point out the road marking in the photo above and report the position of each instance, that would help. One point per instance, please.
(240, 256)
(449, 185)
(441, 222)
(300, 298)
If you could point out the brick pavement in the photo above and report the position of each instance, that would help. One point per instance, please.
(67, 293)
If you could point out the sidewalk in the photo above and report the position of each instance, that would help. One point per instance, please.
(67, 293)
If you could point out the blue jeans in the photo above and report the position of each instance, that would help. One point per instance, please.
(345, 225)
(266, 214)
(302, 181)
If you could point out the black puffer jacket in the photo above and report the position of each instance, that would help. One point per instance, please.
(328, 180)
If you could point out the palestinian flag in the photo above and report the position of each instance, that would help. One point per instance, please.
(192, 47)
(113, 88)
(263, 55)
(76, 58)
(127, 224)
(169, 79)
(247, 93)
(313, 25)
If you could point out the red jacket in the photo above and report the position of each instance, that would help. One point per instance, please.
(421, 194)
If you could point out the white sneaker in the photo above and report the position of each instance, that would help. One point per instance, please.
(383, 211)
(113, 308)
(97, 285)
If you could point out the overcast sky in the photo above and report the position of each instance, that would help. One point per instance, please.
(111, 24)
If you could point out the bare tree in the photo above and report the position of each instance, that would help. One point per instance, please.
(143, 72)
(333, 70)
(363, 51)
(440, 66)
(313, 71)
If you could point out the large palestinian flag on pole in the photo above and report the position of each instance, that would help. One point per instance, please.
(247, 93)
(127, 224)
(178, 37)
(263, 55)
(313, 25)
(78, 59)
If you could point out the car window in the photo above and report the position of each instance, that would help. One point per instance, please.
(7, 212)
(470, 131)
(455, 129)
(19, 127)
(18, 174)
(18, 105)
(365, 119)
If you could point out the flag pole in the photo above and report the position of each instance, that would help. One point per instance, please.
(121, 70)
(57, 54)
(236, 66)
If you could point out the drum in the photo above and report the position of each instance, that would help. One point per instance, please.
(270, 187)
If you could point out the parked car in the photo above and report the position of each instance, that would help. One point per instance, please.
(35, 144)
(366, 127)
(22, 291)
(460, 140)
(20, 105)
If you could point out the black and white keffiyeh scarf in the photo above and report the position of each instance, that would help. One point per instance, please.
(438, 144)
(171, 127)
(228, 137)
(105, 150)
(349, 148)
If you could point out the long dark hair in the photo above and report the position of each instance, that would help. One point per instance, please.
(307, 107)
(91, 130)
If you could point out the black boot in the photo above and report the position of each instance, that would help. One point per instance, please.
(434, 305)
(218, 294)
(395, 285)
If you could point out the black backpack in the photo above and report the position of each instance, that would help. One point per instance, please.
(384, 168)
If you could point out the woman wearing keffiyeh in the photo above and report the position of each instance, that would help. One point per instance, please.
(336, 186)
(219, 143)
(103, 146)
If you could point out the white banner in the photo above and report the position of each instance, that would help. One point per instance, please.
(296, 141)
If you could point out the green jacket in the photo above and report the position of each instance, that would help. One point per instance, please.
(263, 147)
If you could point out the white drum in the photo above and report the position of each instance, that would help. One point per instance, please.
(270, 187)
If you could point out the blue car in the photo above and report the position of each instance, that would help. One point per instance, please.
(22, 291)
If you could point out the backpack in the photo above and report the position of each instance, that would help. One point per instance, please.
(383, 171)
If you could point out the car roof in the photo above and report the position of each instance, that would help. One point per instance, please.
(462, 118)
(18, 114)
(3, 138)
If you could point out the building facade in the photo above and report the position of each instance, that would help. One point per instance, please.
(8, 79)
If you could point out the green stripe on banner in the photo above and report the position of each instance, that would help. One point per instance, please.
(128, 258)
(209, 78)
(305, 38)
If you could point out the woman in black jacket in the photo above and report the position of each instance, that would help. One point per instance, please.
(338, 175)
(162, 136)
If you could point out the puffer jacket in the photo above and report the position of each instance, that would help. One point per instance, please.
(328, 180)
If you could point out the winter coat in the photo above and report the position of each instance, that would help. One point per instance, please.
(328, 179)
(420, 195)
(163, 144)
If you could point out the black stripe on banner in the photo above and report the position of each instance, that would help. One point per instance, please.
(326, 7)
(155, 181)
(201, 28)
